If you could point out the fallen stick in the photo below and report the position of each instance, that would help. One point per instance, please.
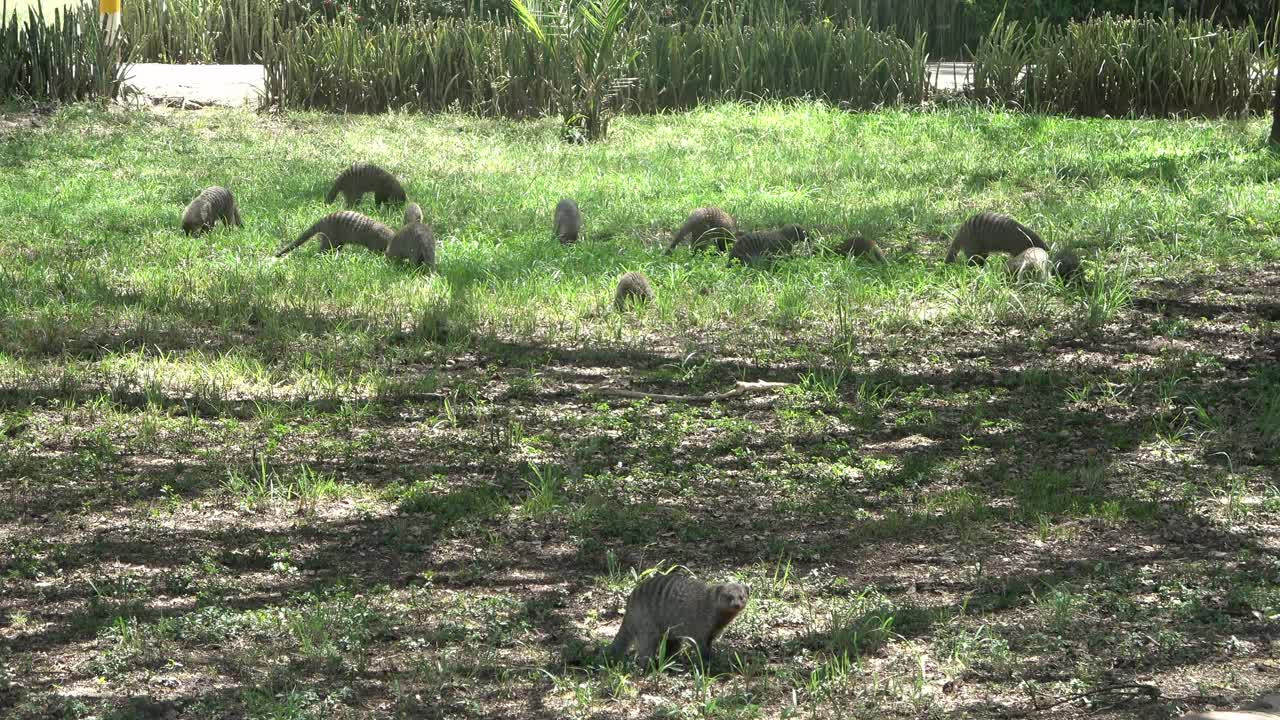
(742, 389)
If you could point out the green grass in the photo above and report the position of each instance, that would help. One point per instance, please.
(335, 486)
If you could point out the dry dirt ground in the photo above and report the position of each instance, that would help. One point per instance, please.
(1035, 515)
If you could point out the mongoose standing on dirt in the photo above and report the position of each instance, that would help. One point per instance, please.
(211, 205)
(1267, 708)
(753, 246)
(345, 228)
(633, 287)
(568, 221)
(988, 232)
(413, 242)
(704, 226)
(363, 178)
(680, 607)
(860, 246)
(1031, 264)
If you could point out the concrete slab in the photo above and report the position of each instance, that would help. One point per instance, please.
(195, 85)
(950, 76)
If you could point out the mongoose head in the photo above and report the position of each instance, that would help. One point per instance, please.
(412, 213)
(731, 598)
(197, 221)
(1067, 266)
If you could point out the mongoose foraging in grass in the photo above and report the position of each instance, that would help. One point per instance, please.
(345, 228)
(752, 246)
(568, 221)
(1267, 708)
(1030, 265)
(1066, 265)
(412, 213)
(679, 606)
(211, 205)
(860, 246)
(363, 178)
(704, 226)
(633, 287)
(413, 242)
(989, 232)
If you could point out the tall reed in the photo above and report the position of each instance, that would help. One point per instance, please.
(1119, 66)
(206, 31)
(71, 57)
(490, 68)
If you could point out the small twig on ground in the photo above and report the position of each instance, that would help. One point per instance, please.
(741, 389)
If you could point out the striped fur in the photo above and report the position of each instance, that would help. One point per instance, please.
(989, 232)
(753, 246)
(859, 246)
(363, 178)
(633, 287)
(704, 226)
(345, 228)
(211, 205)
(680, 607)
(568, 220)
(414, 242)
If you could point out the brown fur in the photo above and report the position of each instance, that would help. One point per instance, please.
(1066, 265)
(363, 178)
(414, 242)
(1266, 708)
(988, 232)
(345, 228)
(860, 246)
(568, 221)
(680, 607)
(705, 226)
(632, 287)
(753, 246)
(211, 205)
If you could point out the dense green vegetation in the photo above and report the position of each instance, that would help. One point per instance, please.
(330, 486)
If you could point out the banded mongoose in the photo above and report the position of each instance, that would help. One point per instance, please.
(1030, 264)
(704, 226)
(1066, 265)
(989, 232)
(568, 221)
(414, 242)
(752, 246)
(345, 228)
(860, 246)
(633, 287)
(680, 607)
(1266, 708)
(211, 205)
(363, 178)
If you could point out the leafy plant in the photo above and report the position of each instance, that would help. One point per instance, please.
(585, 41)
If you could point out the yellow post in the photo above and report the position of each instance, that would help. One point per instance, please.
(111, 9)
